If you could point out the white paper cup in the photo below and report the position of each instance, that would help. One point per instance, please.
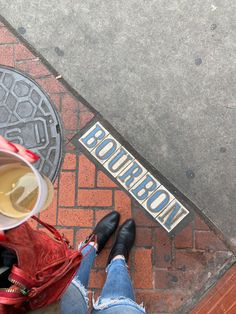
(45, 191)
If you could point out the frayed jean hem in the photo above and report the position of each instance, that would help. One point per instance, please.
(103, 303)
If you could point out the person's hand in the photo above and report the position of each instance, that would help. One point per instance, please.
(16, 148)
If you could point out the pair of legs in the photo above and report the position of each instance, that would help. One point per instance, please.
(117, 294)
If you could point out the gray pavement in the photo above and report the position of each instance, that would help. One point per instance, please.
(162, 72)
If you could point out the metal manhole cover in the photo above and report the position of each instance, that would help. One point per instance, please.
(27, 117)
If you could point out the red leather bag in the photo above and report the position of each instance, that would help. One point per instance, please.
(45, 268)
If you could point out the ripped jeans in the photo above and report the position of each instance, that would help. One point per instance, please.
(117, 294)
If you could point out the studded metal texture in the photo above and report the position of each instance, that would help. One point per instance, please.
(27, 117)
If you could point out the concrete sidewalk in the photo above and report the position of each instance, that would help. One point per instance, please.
(161, 73)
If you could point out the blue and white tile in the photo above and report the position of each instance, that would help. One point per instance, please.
(160, 201)
(138, 195)
(126, 180)
(103, 131)
(112, 146)
(121, 164)
(177, 218)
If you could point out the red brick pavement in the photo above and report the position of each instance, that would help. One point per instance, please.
(166, 272)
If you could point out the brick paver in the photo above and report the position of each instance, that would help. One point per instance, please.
(166, 272)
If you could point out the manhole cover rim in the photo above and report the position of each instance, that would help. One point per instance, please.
(59, 127)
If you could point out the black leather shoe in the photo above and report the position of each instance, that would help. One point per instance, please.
(104, 229)
(124, 240)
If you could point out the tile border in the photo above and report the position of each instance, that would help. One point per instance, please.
(150, 169)
(134, 177)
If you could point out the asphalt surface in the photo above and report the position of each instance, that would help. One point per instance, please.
(163, 73)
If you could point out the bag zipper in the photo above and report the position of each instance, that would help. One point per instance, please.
(21, 288)
(18, 288)
(12, 290)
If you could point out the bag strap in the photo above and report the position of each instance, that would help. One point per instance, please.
(68, 260)
(75, 261)
(57, 235)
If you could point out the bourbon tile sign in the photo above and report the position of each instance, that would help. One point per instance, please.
(134, 177)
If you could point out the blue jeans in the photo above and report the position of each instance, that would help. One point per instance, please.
(117, 294)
